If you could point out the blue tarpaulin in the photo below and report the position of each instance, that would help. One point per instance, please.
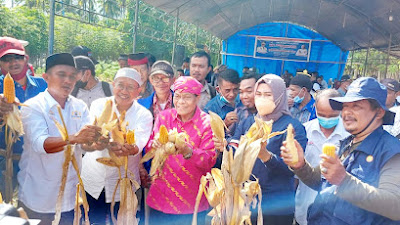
(239, 51)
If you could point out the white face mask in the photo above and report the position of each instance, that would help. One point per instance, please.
(398, 99)
(264, 106)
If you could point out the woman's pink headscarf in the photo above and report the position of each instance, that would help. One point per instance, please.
(188, 84)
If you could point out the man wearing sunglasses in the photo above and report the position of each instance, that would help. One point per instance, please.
(14, 60)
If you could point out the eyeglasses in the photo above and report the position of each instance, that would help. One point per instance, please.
(129, 88)
(10, 57)
(158, 79)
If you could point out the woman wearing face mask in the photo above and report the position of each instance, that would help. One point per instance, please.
(276, 180)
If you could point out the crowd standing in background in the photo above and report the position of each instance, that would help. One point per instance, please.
(360, 184)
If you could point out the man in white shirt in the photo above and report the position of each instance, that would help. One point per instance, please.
(326, 128)
(43, 150)
(303, 52)
(262, 49)
(100, 180)
(393, 88)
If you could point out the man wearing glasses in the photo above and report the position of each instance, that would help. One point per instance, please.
(162, 78)
(14, 60)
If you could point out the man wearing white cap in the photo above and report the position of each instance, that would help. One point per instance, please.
(99, 180)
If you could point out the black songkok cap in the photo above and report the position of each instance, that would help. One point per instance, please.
(59, 59)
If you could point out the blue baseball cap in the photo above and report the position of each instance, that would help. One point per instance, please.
(365, 88)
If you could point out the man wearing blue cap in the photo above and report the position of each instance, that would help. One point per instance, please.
(359, 185)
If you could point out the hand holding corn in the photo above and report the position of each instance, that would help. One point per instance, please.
(288, 158)
(123, 150)
(5, 107)
(88, 134)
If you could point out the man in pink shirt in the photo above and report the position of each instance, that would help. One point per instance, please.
(173, 193)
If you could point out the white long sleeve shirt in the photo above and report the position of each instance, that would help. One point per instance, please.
(97, 176)
(305, 196)
(40, 175)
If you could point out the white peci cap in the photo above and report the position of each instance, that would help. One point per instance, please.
(129, 73)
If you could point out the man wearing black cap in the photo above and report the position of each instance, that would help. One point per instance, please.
(43, 155)
(393, 88)
(140, 62)
(345, 81)
(88, 87)
(303, 107)
(123, 60)
(84, 51)
(359, 185)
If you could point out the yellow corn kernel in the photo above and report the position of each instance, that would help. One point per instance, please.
(130, 137)
(329, 149)
(163, 135)
(9, 88)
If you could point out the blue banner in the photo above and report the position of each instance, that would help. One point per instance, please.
(290, 49)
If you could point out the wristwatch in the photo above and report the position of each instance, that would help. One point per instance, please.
(188, 155)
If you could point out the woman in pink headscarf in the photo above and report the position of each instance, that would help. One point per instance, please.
(172, 194)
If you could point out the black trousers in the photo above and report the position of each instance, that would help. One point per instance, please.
(99, 210)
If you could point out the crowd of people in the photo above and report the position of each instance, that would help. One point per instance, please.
(359, 185)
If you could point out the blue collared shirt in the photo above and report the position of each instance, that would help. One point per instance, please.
(219, 107)
(34, 86)
(305, 114)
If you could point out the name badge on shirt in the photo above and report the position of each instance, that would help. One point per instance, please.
(76, 115)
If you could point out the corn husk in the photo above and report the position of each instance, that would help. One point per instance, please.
(217, 126)
(230, 191)
(80, 195)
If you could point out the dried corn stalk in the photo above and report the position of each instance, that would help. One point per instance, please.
(128, 200)
(329, 149)
(169, 142)
(70, 157)
(230, 191)
(13, 130)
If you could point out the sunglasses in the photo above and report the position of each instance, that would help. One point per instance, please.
(11, 57)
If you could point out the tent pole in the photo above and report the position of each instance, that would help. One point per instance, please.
(366, 62)
(175, 36)
(135, 28)
(197, 35)
(51, 27)
(388, 56)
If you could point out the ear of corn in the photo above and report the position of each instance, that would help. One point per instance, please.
(163, 135)
(329, 149)
(130, 137)
(9, 88)
(290, 145)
